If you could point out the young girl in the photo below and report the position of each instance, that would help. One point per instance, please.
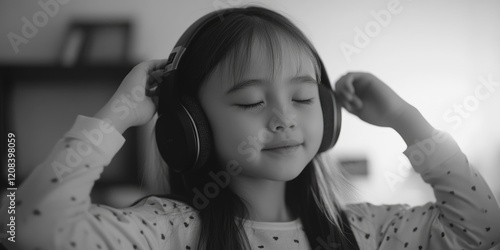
(256, 78)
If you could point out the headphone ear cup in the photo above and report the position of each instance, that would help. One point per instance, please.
(183, 136)
(203, 130)
(332, 117)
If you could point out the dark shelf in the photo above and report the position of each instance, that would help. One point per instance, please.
(48, 71)
(94, 76)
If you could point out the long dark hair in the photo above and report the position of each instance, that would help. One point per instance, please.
(228, 42)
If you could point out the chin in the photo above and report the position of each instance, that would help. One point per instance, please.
(289, 173)
(277, 172)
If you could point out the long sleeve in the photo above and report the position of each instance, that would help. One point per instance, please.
(464, 216)
(54, 210)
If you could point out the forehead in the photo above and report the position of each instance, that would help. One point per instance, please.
(273, 58)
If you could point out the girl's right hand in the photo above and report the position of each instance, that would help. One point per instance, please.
(129, 106)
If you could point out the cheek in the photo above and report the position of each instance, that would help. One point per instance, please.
(231, 132)
(313, 126)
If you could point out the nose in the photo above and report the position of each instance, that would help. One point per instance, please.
(281, 121)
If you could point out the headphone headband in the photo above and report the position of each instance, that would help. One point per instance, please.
(186, 38)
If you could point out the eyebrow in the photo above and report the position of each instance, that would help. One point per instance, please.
(306, 79)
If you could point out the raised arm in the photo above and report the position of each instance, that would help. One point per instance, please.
(54, 209)
(465, 215)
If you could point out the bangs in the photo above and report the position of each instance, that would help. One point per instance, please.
(274, 41)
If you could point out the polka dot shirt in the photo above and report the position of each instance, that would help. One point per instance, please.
(54, 210)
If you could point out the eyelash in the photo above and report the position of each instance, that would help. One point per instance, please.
(259, 104)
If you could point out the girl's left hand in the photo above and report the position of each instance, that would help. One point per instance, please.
(370, 99)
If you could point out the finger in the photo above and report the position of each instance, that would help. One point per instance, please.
(346, 85)
(345, 102)
(346, 95)
(154, 80)
(339, 84)
(158, 64)
(340, 89)
(351, 109)
(348, 107)
(155, 77)
(349, 86)
(350, 92)
(356, 102)
(341, 97)
(354, 99)
(155, 73)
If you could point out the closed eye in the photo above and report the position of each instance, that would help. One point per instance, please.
(260, 104)
(306, 101)
(250, 106)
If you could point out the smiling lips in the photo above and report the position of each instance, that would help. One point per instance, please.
(287, 144)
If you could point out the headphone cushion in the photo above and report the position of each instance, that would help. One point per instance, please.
(203, 129)
(331, 117)
(183, 135)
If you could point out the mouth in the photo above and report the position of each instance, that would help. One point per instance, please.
(282, 147)
(283, 143)
(288, 149)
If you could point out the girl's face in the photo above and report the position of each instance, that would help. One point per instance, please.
(263, 110)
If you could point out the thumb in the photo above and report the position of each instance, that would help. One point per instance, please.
(345, 87)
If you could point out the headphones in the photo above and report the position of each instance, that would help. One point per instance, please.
(183, 133)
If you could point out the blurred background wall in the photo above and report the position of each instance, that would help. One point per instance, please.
(435, 54)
